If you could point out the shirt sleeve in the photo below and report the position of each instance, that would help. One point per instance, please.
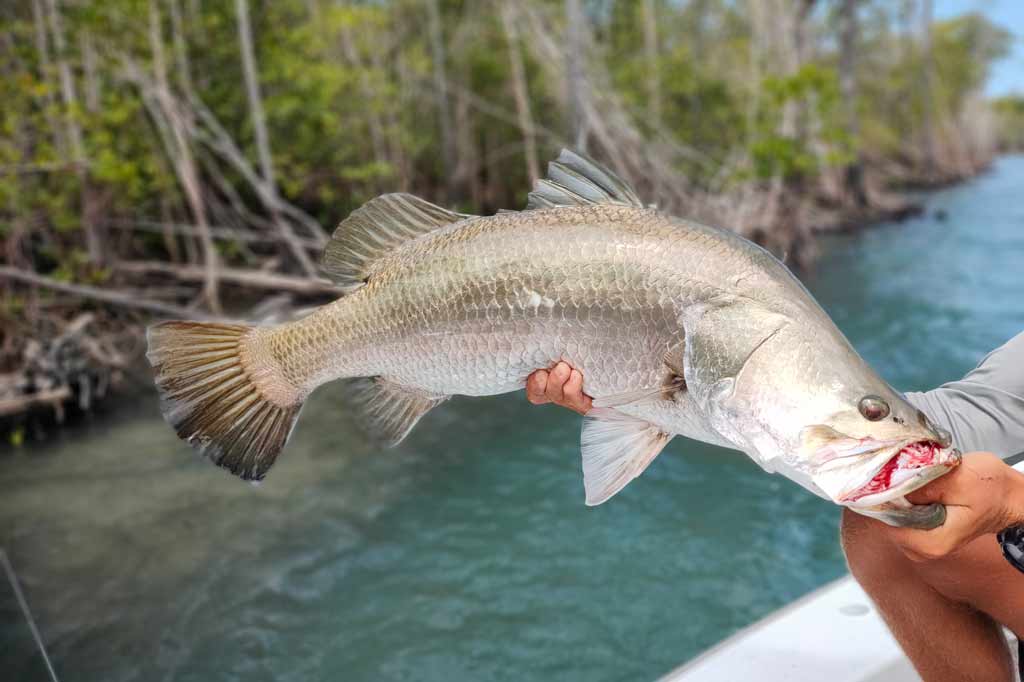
(985, 409)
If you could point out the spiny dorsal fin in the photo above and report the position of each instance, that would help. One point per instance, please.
(375, 229)
(391, 409)
(616, 449)
(574, 180)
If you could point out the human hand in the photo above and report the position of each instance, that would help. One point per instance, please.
(561, 385)
(983, 495)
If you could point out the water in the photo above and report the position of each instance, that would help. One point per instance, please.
(467, 554)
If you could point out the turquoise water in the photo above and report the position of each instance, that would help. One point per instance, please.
(467, 553)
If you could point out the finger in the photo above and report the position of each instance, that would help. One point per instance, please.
(535, 385)
(555, 390)
(574, 396)
(944, 489)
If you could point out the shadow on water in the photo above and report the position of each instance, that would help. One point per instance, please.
(467, 553)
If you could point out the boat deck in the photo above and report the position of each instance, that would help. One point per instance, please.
(833, 633)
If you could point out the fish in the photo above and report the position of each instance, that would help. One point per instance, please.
(678, 328)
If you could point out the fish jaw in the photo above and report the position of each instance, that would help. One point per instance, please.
(910, 467)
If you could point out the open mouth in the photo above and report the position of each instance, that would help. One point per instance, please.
(900, 468)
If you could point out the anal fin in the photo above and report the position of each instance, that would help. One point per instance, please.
(672, 385)
(391, 410)
(616, 449)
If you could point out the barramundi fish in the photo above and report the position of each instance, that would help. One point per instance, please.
(679, 329)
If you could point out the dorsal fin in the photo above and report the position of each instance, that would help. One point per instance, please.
(574, 180)
(376, 228)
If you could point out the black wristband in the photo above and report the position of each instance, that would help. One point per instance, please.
(1012, 541)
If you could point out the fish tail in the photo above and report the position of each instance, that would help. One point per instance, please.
(224, 393)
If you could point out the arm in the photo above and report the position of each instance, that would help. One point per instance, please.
(985, 409)
(982, 496)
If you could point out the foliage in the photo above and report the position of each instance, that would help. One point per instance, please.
(350, 98)
(1010, 111)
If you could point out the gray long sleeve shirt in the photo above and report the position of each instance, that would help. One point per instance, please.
(985, 409)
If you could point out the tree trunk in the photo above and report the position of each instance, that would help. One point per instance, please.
(252, 90)
(67, 83)
(259, 123)
(520, 91)
(928, 87)
(849, 32)
(653, 80)
(93, 239)
(574, 70)
(441, 91)
(181, 60)
(46, 73)
(184, 162)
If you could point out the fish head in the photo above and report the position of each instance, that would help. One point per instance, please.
(875, 453)
(860, 441)
(806, 405)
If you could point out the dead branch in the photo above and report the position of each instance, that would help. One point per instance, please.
(255, 279)
(55, 398)
(217, 232)
(104, 295)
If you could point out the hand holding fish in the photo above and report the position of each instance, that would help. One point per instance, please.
(561, 385)
(982, 496)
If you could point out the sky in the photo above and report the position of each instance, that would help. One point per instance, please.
(1008, 74)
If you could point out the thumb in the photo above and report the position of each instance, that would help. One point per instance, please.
(927, 545)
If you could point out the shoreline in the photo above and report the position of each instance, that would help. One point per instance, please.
(106, 376)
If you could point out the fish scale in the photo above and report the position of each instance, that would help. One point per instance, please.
(488, 330)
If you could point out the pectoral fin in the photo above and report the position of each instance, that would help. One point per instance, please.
(672, 383)
(616, 449)
(664, 392)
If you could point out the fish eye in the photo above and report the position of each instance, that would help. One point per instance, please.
(873, 408)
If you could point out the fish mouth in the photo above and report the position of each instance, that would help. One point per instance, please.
(911, 467)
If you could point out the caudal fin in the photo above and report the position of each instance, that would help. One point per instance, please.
(214, 394)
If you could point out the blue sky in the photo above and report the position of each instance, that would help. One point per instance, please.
(1008, 74)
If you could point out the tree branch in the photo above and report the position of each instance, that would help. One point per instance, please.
(103, 295)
